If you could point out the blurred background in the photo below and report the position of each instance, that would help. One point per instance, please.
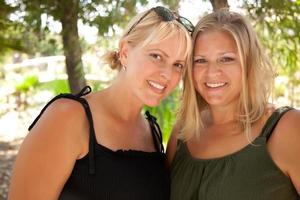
(49, 47)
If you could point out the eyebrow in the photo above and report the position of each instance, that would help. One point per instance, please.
(165, 54)
(230, 52)
(222, 53)
(182, 61)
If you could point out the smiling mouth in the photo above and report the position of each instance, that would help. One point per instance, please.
(215, 85)
(158, 87)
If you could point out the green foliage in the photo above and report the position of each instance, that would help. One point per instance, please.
(104, 14)
(172, 4)
(48, 45)
(10, 36)
(23, 32)
(166, 113)
(97, 86)
(31, 35)
(12, 32)
(29, 82)
(278, 25)
(279, 91)
(56, 86)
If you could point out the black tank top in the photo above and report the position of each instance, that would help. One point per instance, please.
(104, 174)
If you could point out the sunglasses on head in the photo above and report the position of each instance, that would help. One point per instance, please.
(166, 15)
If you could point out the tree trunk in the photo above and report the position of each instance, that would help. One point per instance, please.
(218, 4)
(72, 48)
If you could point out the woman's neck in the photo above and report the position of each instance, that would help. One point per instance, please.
(222, 115)
(121, 103)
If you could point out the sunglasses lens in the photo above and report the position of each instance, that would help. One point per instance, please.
(167, 15)
(186, 23)
(164, 13)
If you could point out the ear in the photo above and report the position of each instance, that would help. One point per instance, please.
(123, 52)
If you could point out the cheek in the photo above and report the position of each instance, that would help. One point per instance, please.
(175, 79)
(236, 74)
(138, 61)
(196, 78)
(197, 74)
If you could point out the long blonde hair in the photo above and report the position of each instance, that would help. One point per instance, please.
(150, 30)
(257, 75)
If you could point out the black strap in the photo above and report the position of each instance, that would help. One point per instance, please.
(78, 97)
(156, 133)
(273, 120)
(84, 91)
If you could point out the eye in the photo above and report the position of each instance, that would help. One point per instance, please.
(179, 66)
(200, 61)
(156, 56)
(226, 59)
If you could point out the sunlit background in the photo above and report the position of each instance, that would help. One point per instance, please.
(33, 69)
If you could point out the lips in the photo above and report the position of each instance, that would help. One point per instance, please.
(157, 87)
(215, 85)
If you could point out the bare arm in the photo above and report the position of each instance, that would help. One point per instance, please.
(284, 146)
(48, 153)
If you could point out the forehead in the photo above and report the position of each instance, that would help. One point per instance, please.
(215, 41)
(174, 46)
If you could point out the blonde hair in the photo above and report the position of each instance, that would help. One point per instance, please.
(150, 30)
(257, 75)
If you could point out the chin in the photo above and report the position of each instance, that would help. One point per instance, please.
(215, 102)
(153, 103)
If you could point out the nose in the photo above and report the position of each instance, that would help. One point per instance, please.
(166, 72)
(213, 70)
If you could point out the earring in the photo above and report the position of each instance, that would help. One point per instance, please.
(124, 67)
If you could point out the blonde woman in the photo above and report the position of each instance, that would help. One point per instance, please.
(98, 145)
(229, 143)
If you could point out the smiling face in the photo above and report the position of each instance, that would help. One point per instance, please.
(217, 69)
(155, 70)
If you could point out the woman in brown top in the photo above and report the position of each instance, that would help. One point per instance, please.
(228, 142)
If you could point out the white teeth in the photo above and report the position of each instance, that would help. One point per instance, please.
(215, 85)
(156, 85)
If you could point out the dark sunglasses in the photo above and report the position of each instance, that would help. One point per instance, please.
(166, 15)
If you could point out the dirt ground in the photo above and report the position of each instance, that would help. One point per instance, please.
(13, 123)
(8, 151)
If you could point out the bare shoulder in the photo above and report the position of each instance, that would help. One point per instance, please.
(284, 145)
(288, 128)
(292, 117)
(289, 125)
(49, 152)
(64, 120)
(172, 145)
(65, 106)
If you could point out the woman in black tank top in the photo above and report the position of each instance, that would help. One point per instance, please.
(98, 145)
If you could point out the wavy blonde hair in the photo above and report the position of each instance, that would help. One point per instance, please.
(257, 75)
(150, 30)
